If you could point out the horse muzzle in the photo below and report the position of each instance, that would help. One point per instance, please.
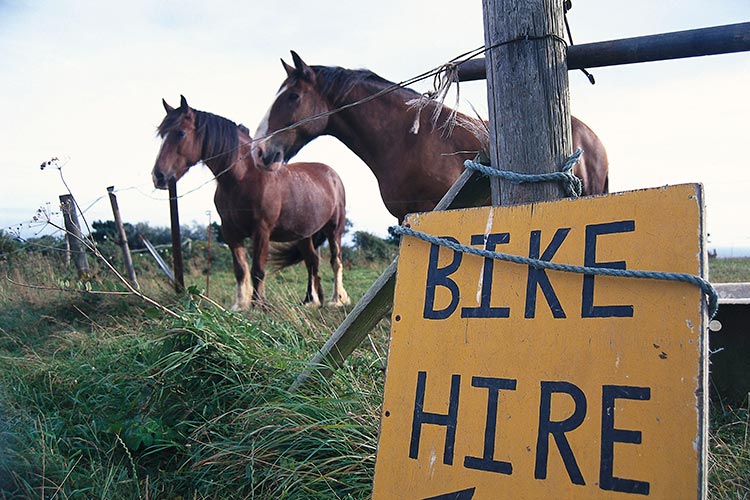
(161, 181)
(268, 159)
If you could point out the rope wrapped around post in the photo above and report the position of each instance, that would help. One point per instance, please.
(570, 182)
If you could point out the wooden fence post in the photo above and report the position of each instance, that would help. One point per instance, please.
(73, 235)
(179, 279)
(123, 239)
(527, 92)
(208, 252)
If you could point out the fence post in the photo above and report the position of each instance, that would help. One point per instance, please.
(67, 251)
(123, 239)
(208, 252)
(527, 92)
(179, 279)
(73, 235)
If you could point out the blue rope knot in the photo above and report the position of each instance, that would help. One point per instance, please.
(708, 289)
(570, 182)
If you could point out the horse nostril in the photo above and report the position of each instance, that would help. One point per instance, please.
(269, 158)
(160, 180)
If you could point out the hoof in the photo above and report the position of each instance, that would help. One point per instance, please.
(340, 302)
(311, 304)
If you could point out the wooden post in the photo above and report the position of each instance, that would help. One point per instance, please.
(527, 92)
(67, 252)
(123, 239)
(73, 235)
(208, 253)
(179, 279)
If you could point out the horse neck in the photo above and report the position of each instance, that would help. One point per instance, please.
(227, 168)
(370, 129)
(228, 164)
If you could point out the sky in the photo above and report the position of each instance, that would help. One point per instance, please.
(82, 81)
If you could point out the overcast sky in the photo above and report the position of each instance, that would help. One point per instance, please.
(83, 81)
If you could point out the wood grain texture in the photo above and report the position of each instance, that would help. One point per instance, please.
(528, 100)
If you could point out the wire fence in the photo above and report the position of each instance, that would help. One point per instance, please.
(45, 216)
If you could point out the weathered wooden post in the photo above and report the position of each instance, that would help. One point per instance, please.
(527, 92)
(208, 253)
(73, 235)
(179, 279)
(122, 237)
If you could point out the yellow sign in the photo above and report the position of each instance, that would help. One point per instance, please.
(509, 382)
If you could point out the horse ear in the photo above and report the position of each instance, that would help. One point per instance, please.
(167, 107)
(289, 69)
(183, 103)
(300, 66)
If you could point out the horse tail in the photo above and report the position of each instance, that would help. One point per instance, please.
(281, 255)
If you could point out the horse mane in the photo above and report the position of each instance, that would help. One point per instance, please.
(219, 134)
(338, 82)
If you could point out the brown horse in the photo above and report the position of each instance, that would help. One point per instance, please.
(303, 204)
(414, 166)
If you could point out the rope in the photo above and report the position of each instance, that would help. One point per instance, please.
(571, 184)
(704, 285)
(567, 5)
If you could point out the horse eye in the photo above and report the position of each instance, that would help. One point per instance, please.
(293, 96)
(181, 134)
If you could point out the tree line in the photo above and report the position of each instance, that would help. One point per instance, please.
(358, 246)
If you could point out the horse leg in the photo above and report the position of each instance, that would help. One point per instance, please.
(258, 268)
(314, 295)
(340, 297)
(243, 294)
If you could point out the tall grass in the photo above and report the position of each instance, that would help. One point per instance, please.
(104, 396)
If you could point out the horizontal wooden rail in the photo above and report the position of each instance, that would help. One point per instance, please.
(676, 45)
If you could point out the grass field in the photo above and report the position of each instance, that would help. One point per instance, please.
(729, 270)
(107, 396)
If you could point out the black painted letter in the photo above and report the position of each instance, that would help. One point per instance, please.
(423, 417)
(588, 309)
(610, 436)
(558, 429)
(439, 277)
(539, 276)
(487, 462)
(484, 310)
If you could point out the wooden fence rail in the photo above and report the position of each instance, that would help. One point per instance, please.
(676, 45)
